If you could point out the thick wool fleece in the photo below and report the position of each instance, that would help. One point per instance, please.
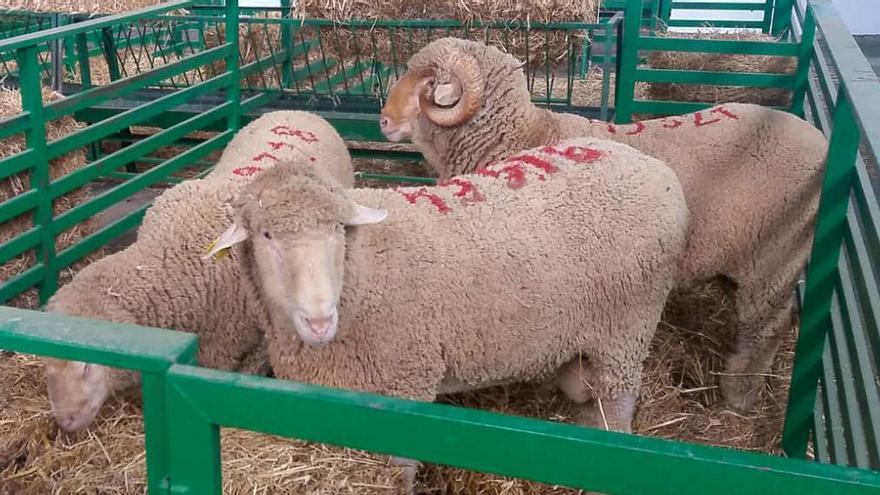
(751, 175)
(160, 280)
(498, 276)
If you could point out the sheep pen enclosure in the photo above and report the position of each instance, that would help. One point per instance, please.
(172, 119)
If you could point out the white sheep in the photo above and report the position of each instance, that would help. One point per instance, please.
(162, 281)
(503, 275)
(751, 176)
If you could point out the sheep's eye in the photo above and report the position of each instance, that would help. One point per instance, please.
(267, 235)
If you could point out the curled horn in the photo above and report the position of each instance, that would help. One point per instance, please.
(466, 71)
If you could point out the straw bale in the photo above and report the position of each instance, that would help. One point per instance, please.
(720, 63)
(10, 104)
(533, 47)
(79, 6)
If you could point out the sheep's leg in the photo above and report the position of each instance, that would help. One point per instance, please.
(760, 330)
(586, 383)
(410, 469)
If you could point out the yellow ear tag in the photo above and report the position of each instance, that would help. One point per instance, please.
(219, 254)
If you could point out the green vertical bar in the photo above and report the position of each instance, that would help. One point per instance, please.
(821, 274)
(768, 16)
(805, 56)
(110, 53)
(155, 432)
(666, 10)
(32, 103)
(195, 448)
(782, 17)
(82, 49)
(232, 64)
(606, 68)
(627, 60)
(286, 45)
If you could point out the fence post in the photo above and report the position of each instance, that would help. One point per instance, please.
(805, 56)
(840, 172)
(287, 40)
(195, 449)
(155, 432)
(35, 137)
(781, 17)
(233, 64)
(627, 61)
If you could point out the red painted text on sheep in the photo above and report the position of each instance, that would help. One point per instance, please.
(467, 191)
(283, 130)
(265, 156)
(435, 200)
(246, 171)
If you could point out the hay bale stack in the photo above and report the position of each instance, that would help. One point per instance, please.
(720, 63)
(79, 6)
(10, 105)
(376, 43)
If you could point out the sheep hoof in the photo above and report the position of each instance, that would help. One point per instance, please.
(410, 469)
(741, 392)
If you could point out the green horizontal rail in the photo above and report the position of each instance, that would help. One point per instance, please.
(126, 86)
(732, 47)
(715, 78)
(202, 399)
(19, 244)
(156, 174)
(81, 339)
(717, 6)
(111, 162)
(716, 24)
(22, 282)
(109, 21)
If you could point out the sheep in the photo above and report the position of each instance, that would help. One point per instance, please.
(561, 270)
(436, 290)
(161, 280)
(752, 177)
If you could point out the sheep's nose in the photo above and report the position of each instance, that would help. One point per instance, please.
(383, 122)
(319, 326)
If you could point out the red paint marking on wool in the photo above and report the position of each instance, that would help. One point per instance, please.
(725, 112)
(699, 122)
(514, 173)
(283, 130)
(536, 162)
(311, 158)
(612, 128)
(246, 171)
(671, 123)
(262, 156)
(435, 200)
(467, 191)
(277, 145)
(574, 153)
(638, 130)
(582, 154)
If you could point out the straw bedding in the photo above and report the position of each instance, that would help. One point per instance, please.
(10, 104)
(680, 400)
(529, 46)
(720, 63)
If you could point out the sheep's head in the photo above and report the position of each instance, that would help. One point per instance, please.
(293, 219)
(443, 80)
(76, 392)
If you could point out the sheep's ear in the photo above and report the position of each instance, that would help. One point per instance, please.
(447, 94)
(219, 248)
(364, 215)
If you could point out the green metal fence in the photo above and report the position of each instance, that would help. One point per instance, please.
(835, 392)
(634, 44)
(184, 405)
